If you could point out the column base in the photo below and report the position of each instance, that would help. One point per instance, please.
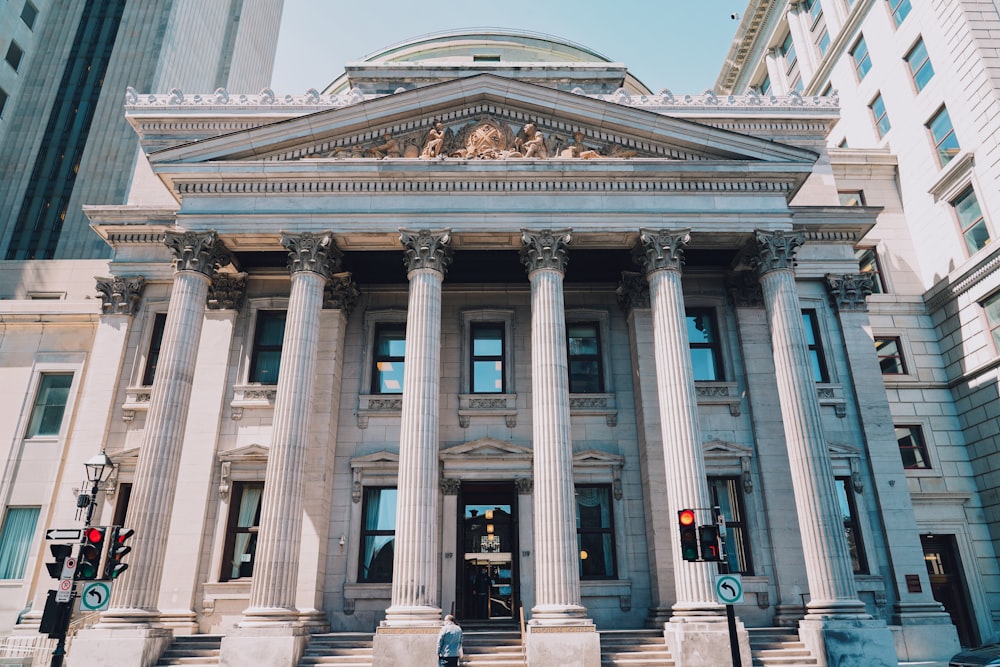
(273, 646)
(698, 641)
(834, 642)
(405, 646)
(924, 632)
(657, 617)
(136, 619)
(847, 610)
(409, 617)
(565, 644)
(556, 615)
(270, 617)
(121, 646)
(788, 615)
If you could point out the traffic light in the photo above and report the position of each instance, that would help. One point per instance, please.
(91, 554)
(708, 536)
(113, 565)
(689, 535)
(60, 552)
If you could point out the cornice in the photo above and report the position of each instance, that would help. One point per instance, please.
(756, 16)
(951, 288)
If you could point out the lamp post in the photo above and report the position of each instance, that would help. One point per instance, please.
(95, 475)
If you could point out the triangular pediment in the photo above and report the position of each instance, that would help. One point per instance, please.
(723, 449)
(483, 117)
(126, 457)
(486, 448)
(595, 457)
(245, 454)
(839, 450)
(380, 458)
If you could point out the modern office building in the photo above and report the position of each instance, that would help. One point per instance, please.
(463, 334)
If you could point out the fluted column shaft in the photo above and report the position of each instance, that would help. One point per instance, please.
(415, 571)
(832, 591)
(557, 575)
(134, 599)
(661, 254)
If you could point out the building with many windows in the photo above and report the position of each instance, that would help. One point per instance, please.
(463, 335)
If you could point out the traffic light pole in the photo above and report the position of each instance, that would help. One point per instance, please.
(734, 638)
(59, 653)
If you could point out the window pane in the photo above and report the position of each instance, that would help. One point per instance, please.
(153, 356)
(882, 125)
(727, 495)
(900, 9)
(28, 14)
(241, 531)
(815, 347)
(890, 356)
(706, 354)
(851, 198)
(868, 263)
(487, 377)
(388, 360)
(50, 404)
(970, 219)
(487, 358)
(377, 535)
(912, 448)
(862, 60)
(265, 362)
(920, 65)
(945, 141)
(15, 540)
(584, 351)
(992, 308)
(595, 531)
(14, 55)
(851, 530)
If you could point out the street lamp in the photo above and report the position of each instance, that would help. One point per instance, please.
(96, 468)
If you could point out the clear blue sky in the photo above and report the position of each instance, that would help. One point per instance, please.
(675, 44)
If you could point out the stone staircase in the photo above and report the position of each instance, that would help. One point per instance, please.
(341, 649)
(492, 644)
(778, 647)
(634, 648)
(192, 650)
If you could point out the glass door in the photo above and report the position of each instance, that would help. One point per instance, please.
(488, 534)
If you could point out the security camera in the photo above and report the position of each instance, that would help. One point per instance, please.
(734, 16)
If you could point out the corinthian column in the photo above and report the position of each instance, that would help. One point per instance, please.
(832, 593)
(135, 595)
(557, 575)
(415, 568)
(311, 261)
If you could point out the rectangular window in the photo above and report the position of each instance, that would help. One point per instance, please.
(823, 42)
(815, 346)
(912, 447)
(788, 52)
(241, 530)
(15, 540)
(378, 535)
(971, 221)
(765, 86)
(28, 14)
(265, 361)
(3, 100)
(815, 8)
(595, 532)
(50, 404)
(890, 355)
(899, 9)
(586, 375)
(706, 352)
(920, 65)
(851, 197)
(487, 357)
(868, 262)
(943, 135)
(992, 309)
(852, 531)
(388, 358)
(153, 356)
(14, 55)
(862, 59)
(880, 115)
(727, 495)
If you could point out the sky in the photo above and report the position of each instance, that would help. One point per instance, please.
(674, 44)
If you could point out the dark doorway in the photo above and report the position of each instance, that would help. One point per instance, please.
(944, 568)
(487, 535)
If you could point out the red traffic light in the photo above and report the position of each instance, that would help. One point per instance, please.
(686, 517)
(91, 554)
(93, 534)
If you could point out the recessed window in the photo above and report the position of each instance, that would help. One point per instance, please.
(3, 100)
(388, 358)
(851, 198)
(487, 357)
(14, 55)
(265, 361)
(727, 495)
(890, 355)
(943, 135)
(971, 221)
(991, 307)
(852, 529)
(28, 14)
(868, 262)
(50, 404)
(15, 540)
(912, 447)
(241, 530)
(920, 65)
(586, 375)
(788, 52)
(881, 117)
(765, 86)
(823, 43)
(815, 9)
(816, 358)
(899, 9)
(486, 58)
(595, 531)
(706, 352)
(153, 355)
(378, 535)
(861, 57)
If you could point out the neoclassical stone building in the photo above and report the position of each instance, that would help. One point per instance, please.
(462, 335)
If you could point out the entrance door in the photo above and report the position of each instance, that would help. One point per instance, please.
(945, 572)
(487, 578)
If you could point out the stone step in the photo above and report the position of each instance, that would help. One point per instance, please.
(779, 647)
(634, 648)
(340, 649)
(192, 650)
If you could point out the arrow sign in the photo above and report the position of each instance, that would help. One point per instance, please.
(729, 589)
(62, 534)
(96, 596)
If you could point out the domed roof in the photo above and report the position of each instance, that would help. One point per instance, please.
(534, 57)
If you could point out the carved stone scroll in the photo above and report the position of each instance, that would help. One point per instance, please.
(775, 250)
(426, 249)
(198, 251)
(312, 252)
(545, 249)
(120, 294)
(661, 249)
(849, 290)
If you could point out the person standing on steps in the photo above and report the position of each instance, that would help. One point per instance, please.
(449, 643)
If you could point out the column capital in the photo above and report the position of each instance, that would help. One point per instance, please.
(341, 293)
(450, 486)
(226, 291)
(775, 250)
(545, 249)
(849, 290)
(120, 294)
(311, 252)
(661, 249)
(198, 251)
(632, 291)
(744, 290)
(426, 249)
(525, 486)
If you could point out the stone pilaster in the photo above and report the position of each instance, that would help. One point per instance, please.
(134, 600)
(415, 567)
